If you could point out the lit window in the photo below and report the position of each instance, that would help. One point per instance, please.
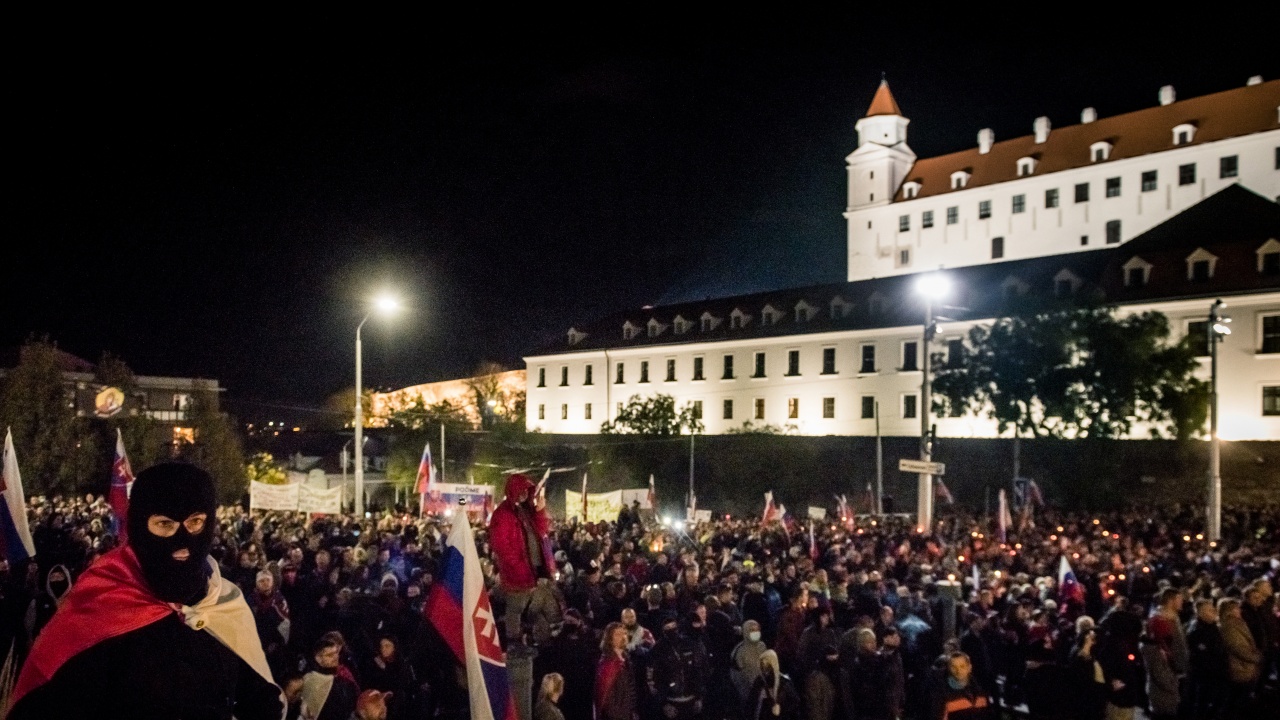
(828, 408)
(542, 412)
(793, 408)
(759, 408)
(564, 412)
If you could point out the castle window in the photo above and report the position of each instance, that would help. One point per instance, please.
(868, 359)
(926, 219)
(1082, 192)
(759, 373)
(953, 215)
(644, 371)
(619, 375)
(587, 380)
(829, 361)
(1136, 272)
(1200, 265)
(1229, 166)
(1269, 258)
(904, 257)
(1019, 203)
(1187, 174)
(793, 363)
(671, 370)
(1113, 187)
(959, 179)
(828, 408)
(1148, 180)
(1113, 232)
(542, 411)
(728, 409)
(759, 408)
(868, 407)
(1026, 166)
(997, 248)
(564, 376)
(904, 223)
(910, 190)
(1051, 198)
(542, 377)
(1271, 400)
(1100, 151)
(586, 411)
(793, 408)
(697, 369)
(728, 368)
(984, 209)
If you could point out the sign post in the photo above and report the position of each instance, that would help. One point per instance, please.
(922, 467)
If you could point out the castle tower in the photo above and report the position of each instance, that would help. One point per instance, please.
(882, 160)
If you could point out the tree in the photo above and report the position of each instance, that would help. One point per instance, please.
(654, 415)
(50, 441)
(263, 468)
(1076, 372)
(411, 427)
(217, 447)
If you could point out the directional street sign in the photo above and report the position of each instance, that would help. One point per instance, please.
(920, 466)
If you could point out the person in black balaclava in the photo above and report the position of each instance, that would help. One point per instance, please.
(151, 629)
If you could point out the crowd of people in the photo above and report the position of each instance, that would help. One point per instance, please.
(1069, 615)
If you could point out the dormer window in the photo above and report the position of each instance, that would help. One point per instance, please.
(804, 311)
(1100, 151)
(576, 336)
(1201, 265)
(1269, 257)
(875, 303)
(840, 307)
(681, 326)
(910, 190)
(1065, 283)
(959, 179)
(1026, 166)
(770, 315)
(1184, 133)
(629, 330)
(709, 322)
(738, 319)
(1137, 272)
(656, 328)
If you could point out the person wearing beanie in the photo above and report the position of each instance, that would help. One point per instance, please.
(152, 630)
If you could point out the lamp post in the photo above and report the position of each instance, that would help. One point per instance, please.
(385, 304)
(933, 286)
(1218, 330)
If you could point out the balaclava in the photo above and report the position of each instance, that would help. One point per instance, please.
(176, 491)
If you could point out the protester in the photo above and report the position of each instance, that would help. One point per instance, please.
(548, 695)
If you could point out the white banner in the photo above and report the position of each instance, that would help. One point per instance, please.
(273, 497)
(817, 513)
(601, 507)
(702, 516)
(641, 495)
(315, 500)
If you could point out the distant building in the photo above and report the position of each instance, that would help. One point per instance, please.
(504, 388)
(1161, 209)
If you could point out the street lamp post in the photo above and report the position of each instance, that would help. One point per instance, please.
(1218, 329)
(384, 304)
(931, 287)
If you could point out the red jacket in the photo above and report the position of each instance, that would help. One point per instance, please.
(506, 536)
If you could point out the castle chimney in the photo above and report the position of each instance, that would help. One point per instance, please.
(1167, 95)
(1088, 115)
(1041, 127)
(1254, 80)
(985, 138)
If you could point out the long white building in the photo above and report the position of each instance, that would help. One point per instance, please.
(1166, 208)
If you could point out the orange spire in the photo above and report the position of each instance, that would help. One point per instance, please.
(883, 103)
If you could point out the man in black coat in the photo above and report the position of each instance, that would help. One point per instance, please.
(151, 630)
(1208, 661)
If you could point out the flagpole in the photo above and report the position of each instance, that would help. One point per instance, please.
(442, 477)
(879, 508)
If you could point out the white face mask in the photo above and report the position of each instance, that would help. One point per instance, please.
(754, 636)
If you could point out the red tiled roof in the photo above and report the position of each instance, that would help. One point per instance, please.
(883, 103)
(1231, 113)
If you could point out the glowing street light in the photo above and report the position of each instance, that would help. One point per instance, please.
(933, 287)
(384, 304)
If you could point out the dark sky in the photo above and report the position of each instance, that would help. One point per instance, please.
(225, 207)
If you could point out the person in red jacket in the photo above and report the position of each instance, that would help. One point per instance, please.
(521, 550)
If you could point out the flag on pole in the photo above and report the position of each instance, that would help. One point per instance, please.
(426, 471)
(15, 536)
(118, 495)
(653, 495)
(1005, 519)
(943, 492)
(1033, 490)
(584, 497)
(1069, 589)
(458, 607)
(842, 507)
(771, 512)
(871, 500)
(813, 543)
(541, 489)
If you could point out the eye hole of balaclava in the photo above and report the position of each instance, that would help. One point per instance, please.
(176, 491)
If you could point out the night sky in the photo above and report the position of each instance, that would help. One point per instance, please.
(225, 208)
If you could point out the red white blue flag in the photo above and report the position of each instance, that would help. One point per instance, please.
(943, 492)
(15, 536)
(459, 608)
(1033, 490)
(118, 495)
(426, 471)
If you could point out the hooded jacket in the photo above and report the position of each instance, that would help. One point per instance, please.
(516, 534)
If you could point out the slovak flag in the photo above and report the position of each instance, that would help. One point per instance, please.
(426, 471)
(653, 495)
(842, 507)
(459, 608)
(15, 536)
(118, 495)
(813, 544)
(1033, 491)
(771, 511)
(943, 492)
(1069, 589)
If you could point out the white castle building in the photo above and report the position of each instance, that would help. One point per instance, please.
(1165, 208)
